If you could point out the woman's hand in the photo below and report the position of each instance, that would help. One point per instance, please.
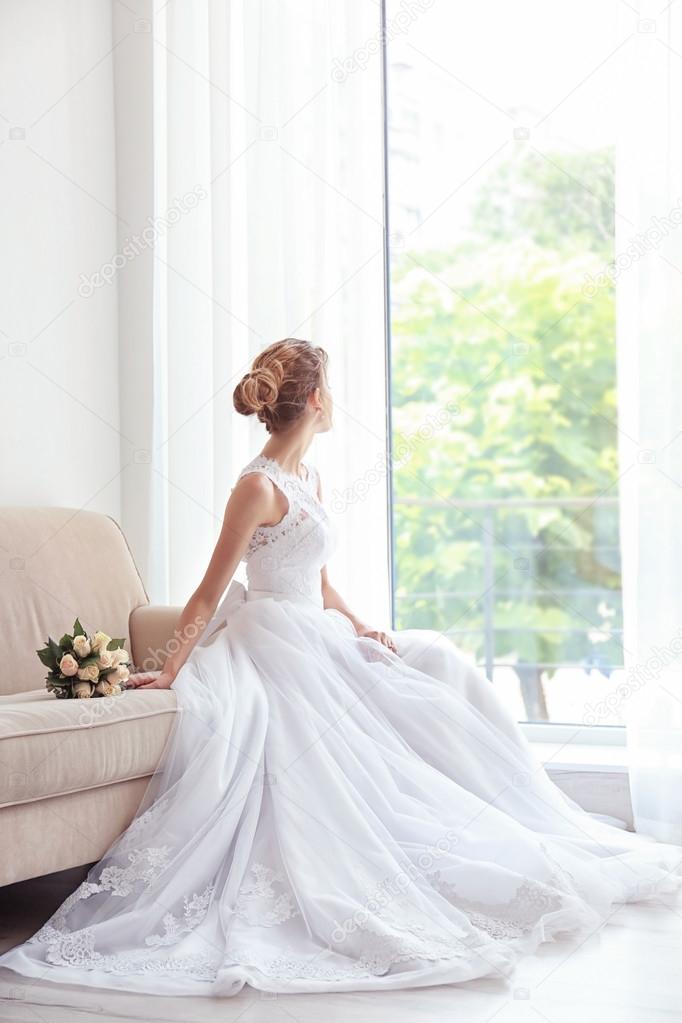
(150, 680)
(333, 601)
(380, 637)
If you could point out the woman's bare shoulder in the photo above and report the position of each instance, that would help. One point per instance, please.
(253, 486)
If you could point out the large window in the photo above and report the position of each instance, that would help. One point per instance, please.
(501, 142)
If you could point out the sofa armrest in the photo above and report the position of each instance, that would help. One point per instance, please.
(152, 635)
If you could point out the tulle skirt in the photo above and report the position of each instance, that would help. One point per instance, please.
(330, 816)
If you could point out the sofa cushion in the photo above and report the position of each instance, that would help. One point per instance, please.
(56, 564)
(49, 747)
(52, 834)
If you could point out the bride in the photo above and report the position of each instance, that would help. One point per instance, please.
(339, 807)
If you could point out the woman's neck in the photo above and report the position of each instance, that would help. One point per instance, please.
(288, 450)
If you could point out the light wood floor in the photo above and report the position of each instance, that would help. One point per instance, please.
(629, 971)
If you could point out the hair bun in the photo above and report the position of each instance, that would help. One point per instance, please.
(258, 389)
(279, 383)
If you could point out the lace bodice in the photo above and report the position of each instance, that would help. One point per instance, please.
(287, 557)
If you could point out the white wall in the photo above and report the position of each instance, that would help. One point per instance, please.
(59, 377)
(134, 129)
(78, 383)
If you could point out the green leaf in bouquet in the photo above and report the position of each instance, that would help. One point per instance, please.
(78, 629)
(83, 662)
(58, 685)
(116, 644)
(55, 649)
(66, 643)
(46, 656)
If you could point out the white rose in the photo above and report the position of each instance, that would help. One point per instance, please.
(105, 659)
(119, 657)
(105, 688)
(82, 690)
(68, 665)
(90, 673)
(81, 644)
(100, 641)
(119, 674)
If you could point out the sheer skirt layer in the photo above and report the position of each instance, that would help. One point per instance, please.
(330, 816)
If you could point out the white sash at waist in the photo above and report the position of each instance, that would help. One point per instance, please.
(297, 598)
(238, 594)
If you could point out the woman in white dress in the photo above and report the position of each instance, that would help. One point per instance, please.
(338, 808)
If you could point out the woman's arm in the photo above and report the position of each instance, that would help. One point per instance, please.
(333, 599)
(253, 502)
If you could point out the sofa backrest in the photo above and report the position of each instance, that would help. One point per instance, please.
(57, 564)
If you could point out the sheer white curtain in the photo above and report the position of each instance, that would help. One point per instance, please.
(649, 304)
(264, 113)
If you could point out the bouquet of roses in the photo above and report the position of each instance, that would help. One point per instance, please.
(81, 666)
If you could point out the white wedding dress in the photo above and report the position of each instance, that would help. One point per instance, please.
(330, 816)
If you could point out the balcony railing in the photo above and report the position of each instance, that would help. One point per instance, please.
(481, 518)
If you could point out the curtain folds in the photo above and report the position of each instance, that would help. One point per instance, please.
(648, 273)
(275, 162)
(268, 175)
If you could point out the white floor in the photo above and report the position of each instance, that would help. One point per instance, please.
(628, 971)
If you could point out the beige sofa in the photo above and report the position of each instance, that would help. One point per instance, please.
(72, 772)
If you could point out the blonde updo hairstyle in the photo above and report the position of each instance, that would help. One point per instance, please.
(279, 383)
